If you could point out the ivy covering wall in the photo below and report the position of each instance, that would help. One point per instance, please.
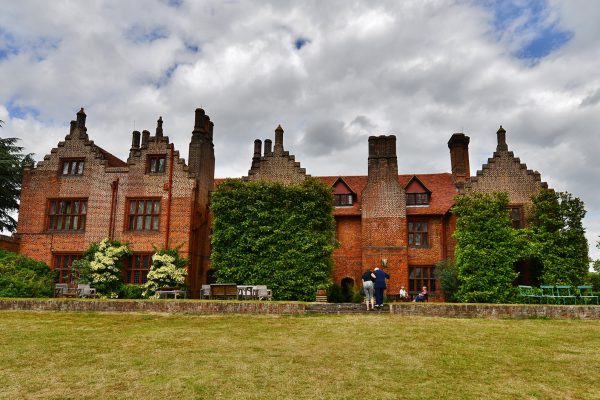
(486, 248)
(271, 234)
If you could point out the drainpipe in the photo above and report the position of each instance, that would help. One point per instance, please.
(113, 214)
(170, 196)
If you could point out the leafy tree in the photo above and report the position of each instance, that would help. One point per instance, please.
(12, 162)
(559, 237)
(269, 233)
(23, 277)
(486, 248)
(447, 275)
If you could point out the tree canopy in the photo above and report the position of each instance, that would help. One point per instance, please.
(12, 161)
(560, 244)
(271, 234)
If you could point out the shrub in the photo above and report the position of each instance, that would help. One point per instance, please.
(105, 266)
(23, 277)
(167, 270)
(334, 294)
(131, 291)
(447, 275)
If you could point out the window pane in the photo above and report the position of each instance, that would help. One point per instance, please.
(75, 222)
(132, 207)
(148, 206)
(80, 168)
(59, 222)
(65, 168)
(53, 207)
(418, 272)
(156, 207)
(161, 165)
(155, 223)
(82, 223)
(67, 222)
(153, 165)
(139, 222)
(147, 222)
(83, 207)
(61, 207)
(140, 207)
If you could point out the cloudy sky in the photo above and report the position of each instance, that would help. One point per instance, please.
(330, 72)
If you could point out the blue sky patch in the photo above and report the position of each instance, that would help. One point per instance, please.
(192, 48)
(528, 24)
(300, 43)
(142, 34)
(21, 111)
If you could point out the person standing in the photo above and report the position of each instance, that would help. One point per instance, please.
(380, 285)
(367, 280)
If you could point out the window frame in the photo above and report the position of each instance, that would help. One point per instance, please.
(338, 200)
(414, 233)
(56, 222)
(154, 216)
(58, 264)
(516, 223)
(78, 163)
(156, 157)
(418, 199)
(137, 267)
(417, 278)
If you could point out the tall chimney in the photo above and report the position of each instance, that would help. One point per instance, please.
(256, 156)
(145, 137)
(459, 157)
(383, 163)
(81, 119)
(502, 146)
(135, 142)
(278, 149)
(159, 128)
(268, 148)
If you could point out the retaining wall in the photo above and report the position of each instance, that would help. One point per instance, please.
(446, 310)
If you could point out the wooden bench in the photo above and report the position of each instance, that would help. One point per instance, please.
(223, 291)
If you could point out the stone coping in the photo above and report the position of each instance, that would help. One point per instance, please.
(445, 310)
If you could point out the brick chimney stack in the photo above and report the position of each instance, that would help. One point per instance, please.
(459, 157)
(201, 150)
(383, 163)
(159, 128)
(501, 134)
(268, 146)
(257, 150)
(135, 141)
(81, 119)
(145, 138)
(278, 149)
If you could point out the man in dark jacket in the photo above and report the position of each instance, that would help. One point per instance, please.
(380, 277)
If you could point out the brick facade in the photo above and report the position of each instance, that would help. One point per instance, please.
(404, 219)
(153, 175)
(373, 219)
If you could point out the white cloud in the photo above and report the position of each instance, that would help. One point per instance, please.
(420, 70)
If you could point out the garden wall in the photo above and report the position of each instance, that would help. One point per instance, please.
(446, 310)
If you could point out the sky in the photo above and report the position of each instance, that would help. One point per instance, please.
(331, 73)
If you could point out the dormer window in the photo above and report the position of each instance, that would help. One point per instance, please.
(417, 199)
(416, 193)
(156, 164)
(343, 194)
(342, 200)
(72, 166)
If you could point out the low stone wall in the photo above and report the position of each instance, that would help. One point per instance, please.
(452, 310)
(447, 310)
(158, 306)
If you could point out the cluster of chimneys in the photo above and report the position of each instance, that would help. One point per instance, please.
(278, 149)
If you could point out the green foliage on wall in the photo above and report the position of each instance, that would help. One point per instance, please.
(23, 277)
(559, 237)
(486, 248)
(271, 234)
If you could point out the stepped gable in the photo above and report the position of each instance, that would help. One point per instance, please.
(276, 165)
(506, 173)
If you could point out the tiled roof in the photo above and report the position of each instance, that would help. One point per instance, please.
(111, 160)
(441, 187)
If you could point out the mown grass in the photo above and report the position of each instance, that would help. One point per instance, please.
(148, 356)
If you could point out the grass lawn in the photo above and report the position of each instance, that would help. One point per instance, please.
(147, 356)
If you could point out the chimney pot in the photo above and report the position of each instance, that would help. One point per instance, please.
(135, 143)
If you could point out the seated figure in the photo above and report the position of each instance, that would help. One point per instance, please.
(403, 295)
(422, 296)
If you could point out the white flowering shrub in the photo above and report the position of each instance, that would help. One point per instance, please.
(167, 271)
(104, 271)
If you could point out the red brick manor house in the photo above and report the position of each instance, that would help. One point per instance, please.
(80, 194)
